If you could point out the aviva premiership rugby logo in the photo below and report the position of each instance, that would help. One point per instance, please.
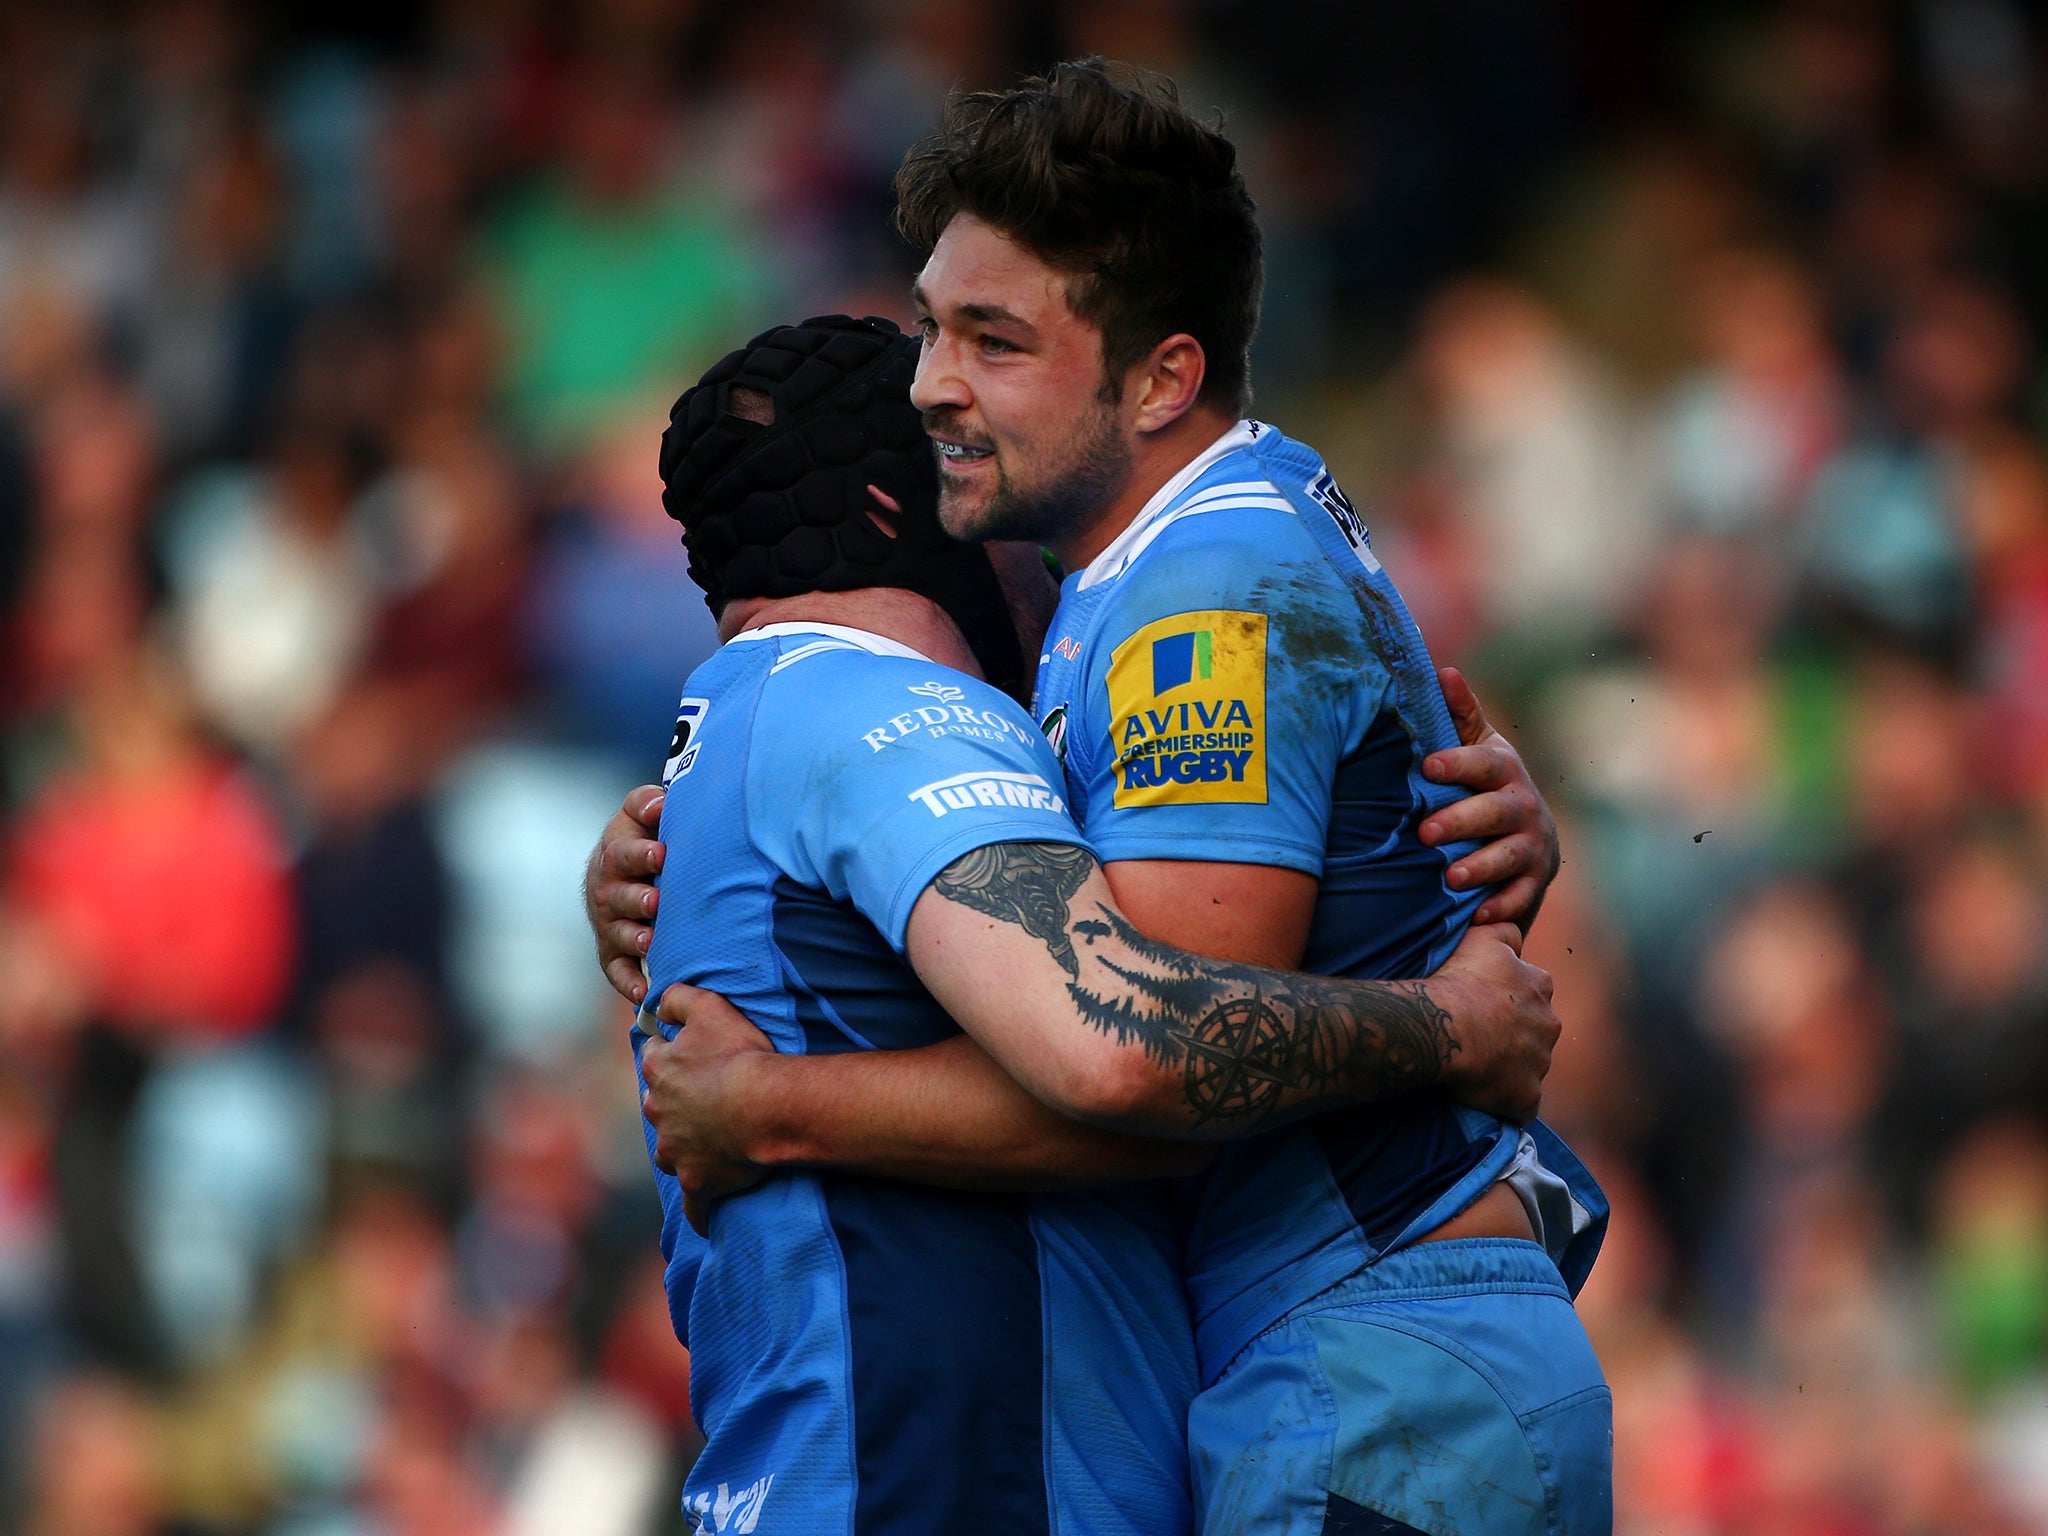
(1055, 727)
(1187, 709)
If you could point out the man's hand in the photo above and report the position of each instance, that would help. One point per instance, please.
(619, 896)
(1504, 812)
(692, 1081)
(1502, 1021)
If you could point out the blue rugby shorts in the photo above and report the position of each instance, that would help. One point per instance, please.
(1448, 1388)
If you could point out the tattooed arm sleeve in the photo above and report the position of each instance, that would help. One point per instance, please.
(1023, 944)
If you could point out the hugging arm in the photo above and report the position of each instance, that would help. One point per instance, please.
(1024, 945)
(727, 1108)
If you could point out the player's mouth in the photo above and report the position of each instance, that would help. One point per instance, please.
(961, 455)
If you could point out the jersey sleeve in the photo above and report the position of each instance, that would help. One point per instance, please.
(1228, 677)
(897, 769)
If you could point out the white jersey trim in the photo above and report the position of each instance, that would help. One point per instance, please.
(831, 637)
(1154, 517)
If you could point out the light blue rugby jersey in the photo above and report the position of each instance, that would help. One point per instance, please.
(1236, 679)
(872, 1357)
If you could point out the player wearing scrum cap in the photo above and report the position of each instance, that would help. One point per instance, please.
(868, 849)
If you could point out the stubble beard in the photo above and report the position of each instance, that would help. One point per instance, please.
(1044, 513)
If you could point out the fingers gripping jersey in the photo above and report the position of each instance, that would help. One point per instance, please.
(1235, 679)
(870, 1357)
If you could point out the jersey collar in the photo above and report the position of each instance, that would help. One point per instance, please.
(866, 640)
(1113, 559)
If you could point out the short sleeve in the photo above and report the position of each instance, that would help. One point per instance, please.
(1225, 682)
(900, 767)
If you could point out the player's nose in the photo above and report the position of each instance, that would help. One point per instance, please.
(939, 384)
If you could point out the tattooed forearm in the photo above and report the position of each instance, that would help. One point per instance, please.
(1250, 1046)
(1245, 1055)
(1253, 1044)
(1028, 884)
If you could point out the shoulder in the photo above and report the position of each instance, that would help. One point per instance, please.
(1220, 548)
(834, 680)
(1233, 534)
(843, 708)
(1230, 565)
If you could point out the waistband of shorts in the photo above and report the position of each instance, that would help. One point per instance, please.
(1459, 1266)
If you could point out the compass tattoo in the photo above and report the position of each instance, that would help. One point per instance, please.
(1252, 1046)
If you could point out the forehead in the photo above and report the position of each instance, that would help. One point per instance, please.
(977, 265)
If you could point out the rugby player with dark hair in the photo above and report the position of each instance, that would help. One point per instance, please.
(869, 850)
(1245, 716)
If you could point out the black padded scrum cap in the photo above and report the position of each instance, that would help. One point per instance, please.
(778, 508)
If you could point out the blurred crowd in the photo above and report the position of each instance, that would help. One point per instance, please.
(1686, 355)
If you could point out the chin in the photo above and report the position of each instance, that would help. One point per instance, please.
(962, 516)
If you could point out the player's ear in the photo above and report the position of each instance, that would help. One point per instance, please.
(1168, 382)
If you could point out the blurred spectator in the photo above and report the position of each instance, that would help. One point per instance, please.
(1594, 1093)
(597, 1463)
(1880, 542)
(1745, 434)
(636, 1359)
(1992, 1256)
(192, 907)
(215, 315)
(1547, 474)
(610, 280)
(74, 234)
(1885, 534)
(2006, 515)
(88, 472)
(225, 1166)
(534, 1190)
(1708, 756)
(508, 821)
(616, 621)
(95, 1447)
(29, 1337)
(1687, 1451)
(1910, 779)
(1789, 998)
(295, 1421)
(383, 1040)
(273, 578)
(1972, 990)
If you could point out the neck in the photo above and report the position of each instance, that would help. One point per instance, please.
(1159, 456)
(890, 612)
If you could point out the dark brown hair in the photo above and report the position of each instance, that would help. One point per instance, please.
(1097, 169)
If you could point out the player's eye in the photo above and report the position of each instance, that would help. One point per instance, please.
(926, 329)
(997, 344)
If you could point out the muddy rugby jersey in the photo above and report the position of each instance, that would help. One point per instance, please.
(1236, 679)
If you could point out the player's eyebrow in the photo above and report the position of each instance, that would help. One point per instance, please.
(995, 314)
(980, 314)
